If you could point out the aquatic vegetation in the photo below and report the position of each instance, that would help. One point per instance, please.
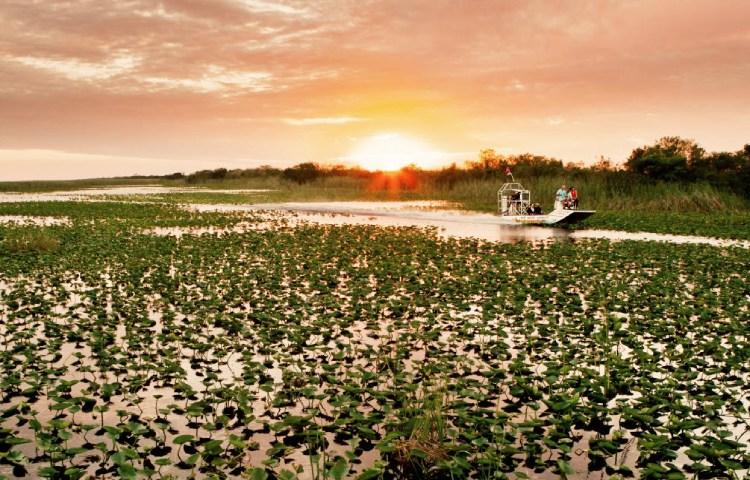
(717, 224)
(311, 351)
(648, 208)
(29, 240)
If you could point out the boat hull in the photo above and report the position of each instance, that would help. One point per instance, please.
(556, 217)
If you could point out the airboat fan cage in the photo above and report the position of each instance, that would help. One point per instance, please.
(513, 199)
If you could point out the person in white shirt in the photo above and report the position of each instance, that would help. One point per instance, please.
(560, 197)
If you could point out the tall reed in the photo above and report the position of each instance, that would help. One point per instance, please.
(596, 194)
(29, 240)
(615, 193)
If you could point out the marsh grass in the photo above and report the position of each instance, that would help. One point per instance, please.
(481, 194)
(719, 225)
(621, 193)
(29, 240)
(37, 186)
(346, 189)
(425, 435)
(594, 194)
(265, 182)
(661, 208)
(669, 197)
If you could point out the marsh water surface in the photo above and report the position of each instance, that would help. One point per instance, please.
(441, 216)
(266, 342)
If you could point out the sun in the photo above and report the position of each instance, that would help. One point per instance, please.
(392, 151)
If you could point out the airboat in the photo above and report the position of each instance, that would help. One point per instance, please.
(514, 203)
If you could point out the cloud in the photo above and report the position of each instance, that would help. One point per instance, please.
(92, 75)
(516, 85)
(75, 70)
(218, 79)
(322, 121)
(264, 6)
(580, 47)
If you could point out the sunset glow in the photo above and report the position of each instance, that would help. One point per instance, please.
(393, 151)
(160, 87)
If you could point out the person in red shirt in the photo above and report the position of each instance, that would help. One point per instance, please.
(572, 198)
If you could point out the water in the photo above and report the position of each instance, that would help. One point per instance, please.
(33, 220)
(438, 215)
(90, 194)
(431, 215)
(450, 222)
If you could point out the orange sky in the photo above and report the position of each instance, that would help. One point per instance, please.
(94, 88)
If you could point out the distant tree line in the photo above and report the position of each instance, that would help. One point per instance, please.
(203, 176)
(674, 159)
(300, 174)
(670, 159)
(171, 176)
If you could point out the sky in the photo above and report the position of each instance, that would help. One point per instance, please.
(97, 88)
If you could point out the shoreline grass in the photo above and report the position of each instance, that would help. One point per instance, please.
(40, 186)
(687, 209)
(471, 194)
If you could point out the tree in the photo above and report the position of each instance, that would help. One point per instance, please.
(529, 165)
(604, 164)
(302, 173)
(726, 169)
(489, 162)
(669, 159)
(449, 176)
(688, 148)
(658, 164)
(219, 173)
(202, 176)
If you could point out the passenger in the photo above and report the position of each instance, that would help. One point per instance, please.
(534, 209)
(515, 204)
(572, 198)
(560, 197)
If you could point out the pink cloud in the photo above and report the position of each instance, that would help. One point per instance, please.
(95, 76)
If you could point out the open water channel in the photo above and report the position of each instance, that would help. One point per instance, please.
(448, 222)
